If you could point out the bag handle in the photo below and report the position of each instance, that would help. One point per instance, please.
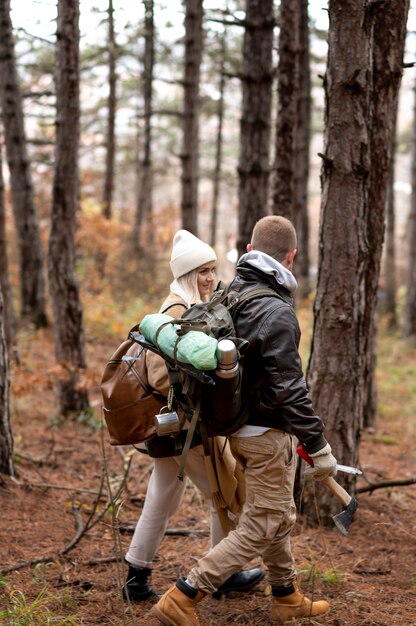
(173, 305)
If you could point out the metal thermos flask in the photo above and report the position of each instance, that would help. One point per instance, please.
(226, 398)
(227, 359)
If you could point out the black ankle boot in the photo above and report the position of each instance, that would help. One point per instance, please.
(241, 581)
(137, 586)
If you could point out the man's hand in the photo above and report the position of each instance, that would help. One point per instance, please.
(324, 464)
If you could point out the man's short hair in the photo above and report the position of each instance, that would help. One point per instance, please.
(275, 235)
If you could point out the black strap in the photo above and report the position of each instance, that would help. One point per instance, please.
(189, 436)
(204, 435)
(175, 304)
(237, 300)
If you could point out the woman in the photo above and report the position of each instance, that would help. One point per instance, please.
(193, 267)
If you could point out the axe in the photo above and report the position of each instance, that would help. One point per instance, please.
(343, 519)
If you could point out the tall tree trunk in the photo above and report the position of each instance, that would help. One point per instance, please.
(389, 34)
(5, 287)
(410, 306)
(337, 362)
(257, 78)
(351, 229)
(111, 119)
(219, 142)
(32, 283)
(190, 146)
(6, 438)
(69, 332)
(302, 145)
(288, 81)
(291, 167)
(390, 305)
(144, 209)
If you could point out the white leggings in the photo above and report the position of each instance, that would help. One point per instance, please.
(164, 495)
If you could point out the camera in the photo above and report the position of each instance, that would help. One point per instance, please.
(166, 423)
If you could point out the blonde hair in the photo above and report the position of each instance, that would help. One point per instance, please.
(275, 235)
(189, 284)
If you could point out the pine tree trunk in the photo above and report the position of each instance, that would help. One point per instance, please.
(5, 287)
(257, 79)
(352, 227)
(288, 81)
(144, 210)
(218, 143)
(111, 119)
(389, 34)
(6, 438)
(340, 342)
(32, 283)
(291, 167)
(190, 146)
(410, 306)
(302, 145)
(389, 307)
(69, 333)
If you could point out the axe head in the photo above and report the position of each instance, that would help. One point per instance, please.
(343, 520)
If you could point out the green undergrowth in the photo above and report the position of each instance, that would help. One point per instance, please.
(43, 606)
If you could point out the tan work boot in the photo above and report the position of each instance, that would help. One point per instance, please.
(177, 608)
(296, 605)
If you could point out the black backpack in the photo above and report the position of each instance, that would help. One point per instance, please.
(213, 401)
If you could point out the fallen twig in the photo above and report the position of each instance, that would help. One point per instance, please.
(384, 485)
(51, 486)
(129, 528)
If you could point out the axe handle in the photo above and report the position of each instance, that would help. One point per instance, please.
(337, 490)
(330, 482)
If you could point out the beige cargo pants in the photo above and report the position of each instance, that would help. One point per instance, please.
(268, 516)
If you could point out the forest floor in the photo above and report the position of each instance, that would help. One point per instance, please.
(63, 479)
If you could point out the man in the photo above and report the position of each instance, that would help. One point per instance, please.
(279, 411)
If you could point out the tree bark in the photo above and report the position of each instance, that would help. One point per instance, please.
(6, 437)
(69, 332)
(257, 78)
(389, 34)
(190, 147)
(302, 153)
(32, 283)
(352, 226)
(288, 82)
(219, 142)
(410, 305)
(389, 307)
(144, 209)
(336, 372)
(111, 119)
(291, 166)
(5, 287)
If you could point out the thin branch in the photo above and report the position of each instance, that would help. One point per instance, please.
(179, 532)
(36, 37)
(51, 486)
(385, 485)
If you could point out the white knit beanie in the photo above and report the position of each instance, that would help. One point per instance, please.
(188, 253)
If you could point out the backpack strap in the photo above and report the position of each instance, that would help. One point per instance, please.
(189, 436)
(260, 292)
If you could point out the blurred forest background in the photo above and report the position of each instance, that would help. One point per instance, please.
(122, 122)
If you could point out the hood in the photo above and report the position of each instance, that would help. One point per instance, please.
(262, 262)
